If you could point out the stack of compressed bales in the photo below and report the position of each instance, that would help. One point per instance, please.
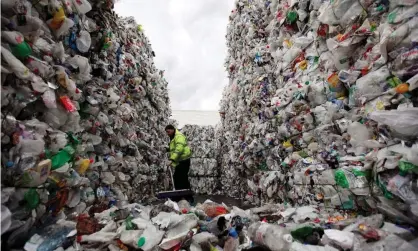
(204, 173)
(83, 110)
(230, 179)
(232, 171)
(321, 104)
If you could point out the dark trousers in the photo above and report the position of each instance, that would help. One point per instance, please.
(181, 176)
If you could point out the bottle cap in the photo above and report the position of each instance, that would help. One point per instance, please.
(233, 233)
(288, 238)
(141, 241)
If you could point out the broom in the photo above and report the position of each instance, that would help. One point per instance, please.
(174, 193)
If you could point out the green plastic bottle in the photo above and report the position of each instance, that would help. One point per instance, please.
(74, 139)
(358, 173)
(22, 50)
(386, 193)
(62, 157)
(341, 179)
(303, 154)
(32, 198)
(391, 17)
(407, 167)
(302, 234)
(129, 224)
(291, 17)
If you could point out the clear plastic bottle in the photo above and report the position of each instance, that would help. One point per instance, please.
(101, 237)
(150, 238)
(49, 241)
(275, 237)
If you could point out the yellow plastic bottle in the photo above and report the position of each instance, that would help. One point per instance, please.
(58, 18)
(83, 166)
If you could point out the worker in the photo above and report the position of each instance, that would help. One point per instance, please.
(180, 154)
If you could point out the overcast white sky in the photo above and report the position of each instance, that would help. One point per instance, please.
(188, 38)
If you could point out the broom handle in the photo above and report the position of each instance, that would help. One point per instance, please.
(171, 175)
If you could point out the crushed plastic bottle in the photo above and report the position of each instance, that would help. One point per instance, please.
(275, 237)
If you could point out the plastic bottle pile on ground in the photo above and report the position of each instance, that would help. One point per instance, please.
(212, 226)
(321, 106)
(204, 169)
(83, 111)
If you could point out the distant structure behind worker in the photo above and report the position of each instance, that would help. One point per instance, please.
(191, 117)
